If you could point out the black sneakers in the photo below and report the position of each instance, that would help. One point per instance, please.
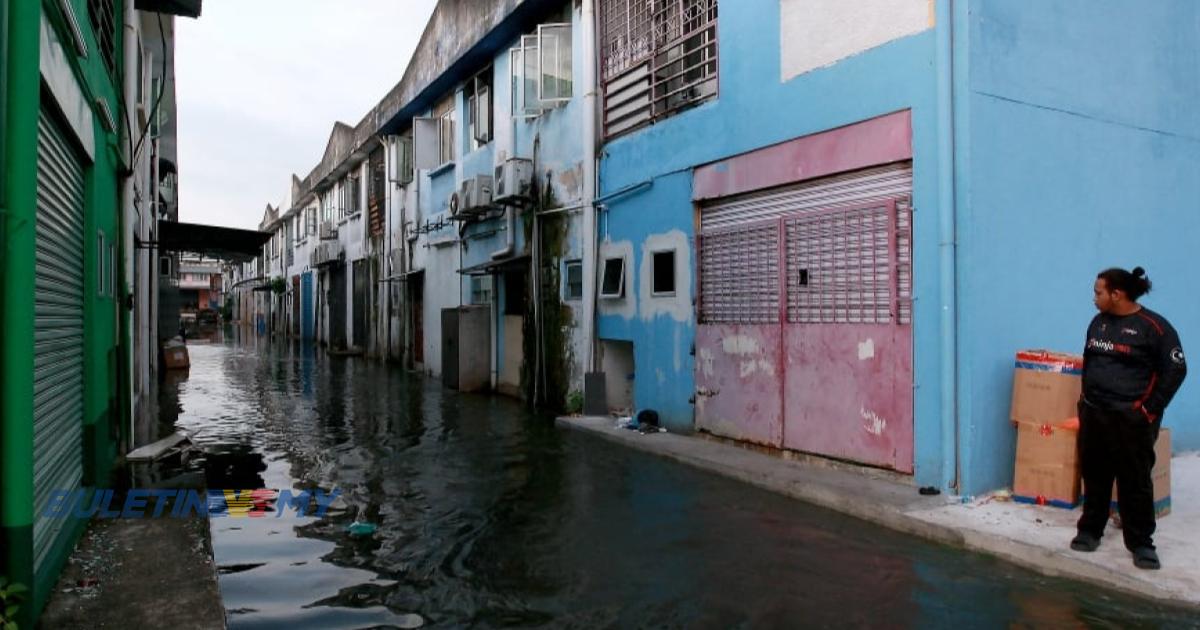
(1084, 541)
(1146, 558)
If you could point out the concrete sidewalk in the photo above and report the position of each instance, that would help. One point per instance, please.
(1030, 536)
(145, 573)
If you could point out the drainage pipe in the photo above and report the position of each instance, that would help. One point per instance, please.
(947, 248)
(131, 359)
(590, 248)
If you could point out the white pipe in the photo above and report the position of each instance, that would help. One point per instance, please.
(590, 113)
(128, 216)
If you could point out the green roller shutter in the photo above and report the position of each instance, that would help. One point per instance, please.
(58, 340)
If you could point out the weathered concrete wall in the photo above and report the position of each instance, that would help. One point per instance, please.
(819, 33)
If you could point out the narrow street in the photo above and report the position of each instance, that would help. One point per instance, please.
(486, 515)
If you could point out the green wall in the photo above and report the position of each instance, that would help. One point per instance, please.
(103, 354)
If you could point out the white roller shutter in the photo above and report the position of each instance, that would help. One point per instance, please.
(58, 328)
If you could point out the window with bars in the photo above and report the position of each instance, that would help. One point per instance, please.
(104, 24)
(659, 58)
(376, 189)
(841, 266)
(739, 275)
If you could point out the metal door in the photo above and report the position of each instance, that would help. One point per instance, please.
(58, 329)
(359, 316)
(450, 347)
(295, 306)
(417, 309)
(804, 338)
(306, 306)
(337, 306)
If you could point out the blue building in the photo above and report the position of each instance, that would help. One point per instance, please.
(828, 226)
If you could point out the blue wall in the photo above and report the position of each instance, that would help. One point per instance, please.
(1081, 147)
(662, 345)
(756, 109)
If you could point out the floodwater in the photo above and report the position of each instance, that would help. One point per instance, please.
(487, 515)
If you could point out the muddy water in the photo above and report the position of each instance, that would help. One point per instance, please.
(486, 515)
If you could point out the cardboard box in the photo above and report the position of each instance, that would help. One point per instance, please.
(1046, 387)
(1047, 466)
(176, 357)
(1160, 475)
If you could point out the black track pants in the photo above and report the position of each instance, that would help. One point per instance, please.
(1118, 444)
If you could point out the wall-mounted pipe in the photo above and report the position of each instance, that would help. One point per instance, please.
(590, 145)
(135, 362)
(947, 247)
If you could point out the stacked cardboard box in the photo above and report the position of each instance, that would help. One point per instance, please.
(1046, 388)
(1160, 475)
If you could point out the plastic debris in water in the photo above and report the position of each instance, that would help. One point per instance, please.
(360, 528)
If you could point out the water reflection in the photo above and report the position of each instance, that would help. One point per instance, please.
(486, 515)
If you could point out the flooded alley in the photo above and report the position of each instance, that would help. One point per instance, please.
(486, 515)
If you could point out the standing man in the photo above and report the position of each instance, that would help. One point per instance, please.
(1133, 364)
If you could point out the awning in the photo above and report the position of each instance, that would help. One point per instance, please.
(490, 267)
(211, 240)
(182, 8)
(408, 276)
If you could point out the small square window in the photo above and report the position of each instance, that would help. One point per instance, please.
(612, 284)
(573, 280)
(663, 270)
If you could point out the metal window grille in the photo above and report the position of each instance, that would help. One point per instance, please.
(659, 57)
(685, 63)
(626, 33)
(843, 265)
(103, 19)
(739, 275)
(904, 259)
(376, 190)
(837, 267)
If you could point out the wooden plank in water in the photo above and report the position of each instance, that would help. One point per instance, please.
(153, 451)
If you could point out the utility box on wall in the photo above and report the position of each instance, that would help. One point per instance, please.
(466, 347)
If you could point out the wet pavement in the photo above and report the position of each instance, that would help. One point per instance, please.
(487, 515)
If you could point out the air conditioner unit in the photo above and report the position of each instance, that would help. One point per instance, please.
(326, 253)
(475, 195)
(513, 181)
(328, 230)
